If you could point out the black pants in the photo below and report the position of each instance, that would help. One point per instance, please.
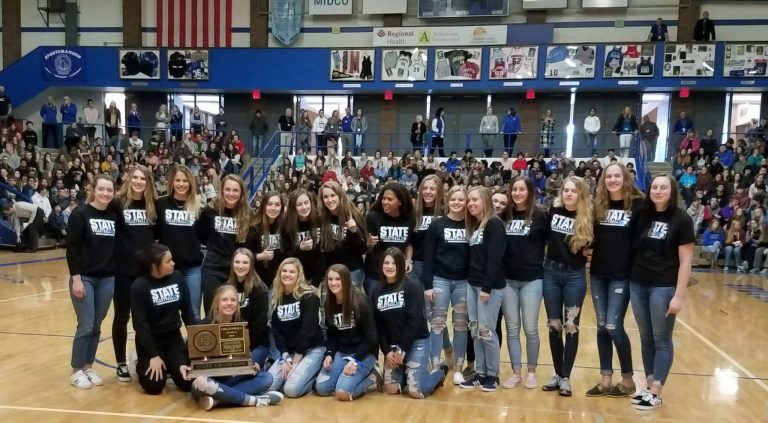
(112, 132)
(438, 143)
(322, 143)
(31, 235)
(509, 143)
(121, 300)
(51, 130)
(212, 279)
(91, 132)
(173, 352)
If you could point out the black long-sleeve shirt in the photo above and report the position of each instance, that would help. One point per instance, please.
(486, 252)
(134, 232)
(296, 324)
(358, 337)
(613, 249)
(561, 226)
(219, 234)
(420, 231)
(399, 311)
(255, 242)
(311, 260)
(524, 253)
(392, 232)
(254, 309)
(446, 251)
(348, 249)
(91, 241)
(158, 307)
(178, 230)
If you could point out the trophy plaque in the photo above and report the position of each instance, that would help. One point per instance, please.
(219, 350)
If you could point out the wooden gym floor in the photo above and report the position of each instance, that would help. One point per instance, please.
(720, 373)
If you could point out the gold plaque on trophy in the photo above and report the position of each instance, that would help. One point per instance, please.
(219, 350)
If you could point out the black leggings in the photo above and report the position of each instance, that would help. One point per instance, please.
(121, 300)
(173, 351)
(438, 143)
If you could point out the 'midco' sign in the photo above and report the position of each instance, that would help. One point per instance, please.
(330, 7)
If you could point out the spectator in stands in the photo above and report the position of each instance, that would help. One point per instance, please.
(547, 132)
(489, 127)
(6, 107)
(90, 118)
(511, 128)
(259, 128)
(26, 220)
(333, 131)
(626, 128)
(591, 128)
(346, 129)
(696, 212)
(196, 121)
(286, 126)
(410, 180)
(360, 127)
(714, 239)
(438, 132)
(68, 112)
(691, 143)
(50, 124)
(659, 31)
(112, 119)
(650, 133)
(318, 128)
(682, 126)
(30, 136)
(704, 29)
(303, 131)
(72, 137)
(133, 121)
(221, 121)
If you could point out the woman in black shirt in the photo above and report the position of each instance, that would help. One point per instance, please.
(618, 203)
(659, 281)
(265, 239)
(301, 227)
(253, 298)
(402, 328)
(342, 231)
(565, 279)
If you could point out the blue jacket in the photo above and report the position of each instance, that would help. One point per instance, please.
(688, 180)
(511, 125)
(48, 113)
(346, 123)
(726, 158)
(710, 237)
(69, 113)
(134, 119)
(452, 164)
(682, 126)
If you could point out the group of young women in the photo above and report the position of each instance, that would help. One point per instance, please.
(304, 265)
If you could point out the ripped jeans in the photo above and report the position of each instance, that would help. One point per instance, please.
(449, 293)
(611, 299)
(483, 316)
(564, 292)
(419, 382)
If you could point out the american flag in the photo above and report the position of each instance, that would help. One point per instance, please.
(194, 23)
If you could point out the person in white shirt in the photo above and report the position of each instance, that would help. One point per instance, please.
(135, 141)
(41, 200)
(318, 128)
(29, 229)
(489, 127)
(91, 116)
(591, 128)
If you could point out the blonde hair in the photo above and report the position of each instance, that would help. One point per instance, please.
(149, 192)
(242, 210)
(215, 305)
(583, 227)
(192, 206)
(252, 280)
(302, 287)
(437, 208)
(453, 190)
(472, 223)
(629, 192)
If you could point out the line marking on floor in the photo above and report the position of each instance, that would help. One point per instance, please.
(33, 295)
(725, 355)
(14, 263)
(111, 414)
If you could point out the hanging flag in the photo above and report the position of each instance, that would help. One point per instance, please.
(287, 18)
(194, 23)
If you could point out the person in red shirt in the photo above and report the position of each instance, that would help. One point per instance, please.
(520, 164)
(367, 170)
(239, 145)
(329, 175)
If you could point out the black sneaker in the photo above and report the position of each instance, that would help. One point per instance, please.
(649, 402)
(475, 381)
(123, 375)
(444, 369)
(490, 384)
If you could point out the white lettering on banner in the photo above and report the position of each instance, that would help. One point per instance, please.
(518, 227)
(455, 236)
(439, 36)
(393, 234)
(165, 295)
(179, 218)
(617, 218)
(288, 312)
(225, 225)
(330, 7)
(391, 301)
(658, 230)
(102, 227)
(562, 224)
(135, 217)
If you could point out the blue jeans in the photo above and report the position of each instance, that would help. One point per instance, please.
(90, 311)
(650, 305)
(302, 377)
(334, 379)
(193, 277)
(260, 354)
(611, 299)
(482, 325)
(522, 301)
(564, 292)
(232, 390)
(730, 252)
(256, 142)
(449, 292)
(358, 147)
(369, 283)
(419, 382)
(714, 249)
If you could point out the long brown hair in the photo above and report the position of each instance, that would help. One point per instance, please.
(291, 219)
(345, 211)
(149, 194)
(437, 208)
(252, 280)
(349, 297)
(192, 205)
(629, 192)
(243, 213)
(584, 222)
(530, 201)
(261, 221)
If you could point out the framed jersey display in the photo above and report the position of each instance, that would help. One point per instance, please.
(458, 64)
(687, 60)
(352, 65)
(188, 65)
(514, 62)
(139, 64)
(629, 61)
(462, 8)
(568, 62)
(404, 65)
(745, 60)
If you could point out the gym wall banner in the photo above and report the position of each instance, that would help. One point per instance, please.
(139, 64)
(287, 18)
(330, 7)
(570, 62)
(404, 65)
(516, 62)
(352, 65)
(188, 65)
(63, 64)
(462, 8)
(458, 64)
(423, 36)
(629, 61)
(689, 60)
(380, 7)
(745, 60)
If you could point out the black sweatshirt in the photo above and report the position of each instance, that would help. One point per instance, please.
(134, 232)
(486, 252)
(296, 324)
(419, 233)
(266, 269)
(358, 337)
(254, 309)
(524, 253)
(658, 238)
(349, 251)
(562, 224)
(613, 249)
(446, 251)
(178, 230)
(157, 307)
(91, 241)
(392, 232)
(219, 234)
(311, 260)
(399, 311)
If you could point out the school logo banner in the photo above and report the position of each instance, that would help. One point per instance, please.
(287, 19)
(63, 64)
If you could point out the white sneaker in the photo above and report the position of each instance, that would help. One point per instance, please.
(94, 377)
(649, 402)
(635, 399)
(530, 381)
(512, 382)
(78, 379)
(132, 360)
(458, 378)
(725, 269)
